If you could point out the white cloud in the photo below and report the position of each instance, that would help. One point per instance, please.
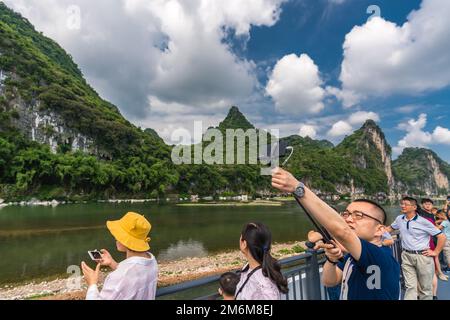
(340, 128)
(441, 135)
(417, 137)
(115, 50)
(358, 118)
(348, 98)
(407, 108)
(295, 85)
(382, 58)
(171, 51)
(351, 123)
(308, 131)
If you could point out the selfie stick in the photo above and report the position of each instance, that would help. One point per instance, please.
(325, 235)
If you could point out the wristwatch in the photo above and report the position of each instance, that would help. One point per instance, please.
(300, 190)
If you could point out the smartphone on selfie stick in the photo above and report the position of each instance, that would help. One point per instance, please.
(283, 149)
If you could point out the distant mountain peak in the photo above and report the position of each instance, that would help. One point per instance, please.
(368, 148)
(235, 120)
(421, 170)
(370, 124)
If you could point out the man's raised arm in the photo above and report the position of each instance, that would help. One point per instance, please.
(324, 214)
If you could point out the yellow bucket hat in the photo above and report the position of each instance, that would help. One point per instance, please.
(132, 231)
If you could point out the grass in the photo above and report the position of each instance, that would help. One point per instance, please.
(39, 296)
(233, 204)
(284, 199)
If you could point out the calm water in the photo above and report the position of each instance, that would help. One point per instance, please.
(40, 242)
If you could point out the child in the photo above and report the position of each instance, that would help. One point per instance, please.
(134, 278)
(228, 282)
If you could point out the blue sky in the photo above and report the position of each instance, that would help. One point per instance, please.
(314, 67)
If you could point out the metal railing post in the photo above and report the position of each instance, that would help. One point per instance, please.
(313, 288)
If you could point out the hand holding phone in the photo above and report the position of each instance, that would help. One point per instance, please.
(104, 258)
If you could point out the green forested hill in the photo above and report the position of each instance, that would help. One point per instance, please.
(43, 79)
(420, 170)
(60, 140)
(354, 164)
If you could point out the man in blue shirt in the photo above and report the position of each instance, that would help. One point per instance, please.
(417, 257)
(447, 207)
(369, 271)
(445, 227)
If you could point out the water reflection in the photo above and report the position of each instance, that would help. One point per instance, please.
(183, 249)
(39, 242)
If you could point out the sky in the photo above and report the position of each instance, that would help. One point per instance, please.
(317, 68)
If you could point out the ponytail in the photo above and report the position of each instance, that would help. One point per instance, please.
(272, 269)
(259, 242)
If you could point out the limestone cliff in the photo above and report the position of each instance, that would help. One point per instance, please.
(421, 171)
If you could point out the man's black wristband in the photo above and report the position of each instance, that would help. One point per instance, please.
(332, 262)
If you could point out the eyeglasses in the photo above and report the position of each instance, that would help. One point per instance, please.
(403, 204)
(357, 215)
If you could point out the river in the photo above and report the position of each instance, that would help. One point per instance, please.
(38, 242)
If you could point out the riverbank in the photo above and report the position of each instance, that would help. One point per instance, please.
(254, 203)
(170, 273)
(55, 203)
(182, 202)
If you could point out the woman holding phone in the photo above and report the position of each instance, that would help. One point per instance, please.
(135, 278)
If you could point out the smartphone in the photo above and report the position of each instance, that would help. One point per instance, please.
(95, 255)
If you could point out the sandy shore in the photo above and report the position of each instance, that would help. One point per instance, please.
(170, 273)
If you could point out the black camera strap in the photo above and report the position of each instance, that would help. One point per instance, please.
(246, 280)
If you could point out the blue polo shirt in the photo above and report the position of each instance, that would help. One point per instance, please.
(376, 276)
(415, 233)
(386, 236)
(446, 228)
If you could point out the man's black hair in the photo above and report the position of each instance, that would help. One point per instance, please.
(425, 200)
(410, 199)
(228, 283)
(376, 205)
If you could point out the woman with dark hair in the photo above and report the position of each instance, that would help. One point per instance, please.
(261, 278)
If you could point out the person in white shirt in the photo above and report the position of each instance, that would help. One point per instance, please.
(136, 277)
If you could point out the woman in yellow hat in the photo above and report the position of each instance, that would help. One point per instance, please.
(136, 277)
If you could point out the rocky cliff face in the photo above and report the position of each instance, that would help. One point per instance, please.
(47, 98)
(440, 179)
(47, 127)
(370, 153)
(378, 139)
(43, 125)
(3, 76)
(421, 171)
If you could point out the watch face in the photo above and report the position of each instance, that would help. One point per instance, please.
(300, 191)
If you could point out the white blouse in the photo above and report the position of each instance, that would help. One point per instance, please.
(258, 287)
(135, 278)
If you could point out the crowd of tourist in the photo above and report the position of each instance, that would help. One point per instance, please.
(360, 264)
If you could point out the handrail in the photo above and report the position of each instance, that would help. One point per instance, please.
(285, 263)
(302, 272)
